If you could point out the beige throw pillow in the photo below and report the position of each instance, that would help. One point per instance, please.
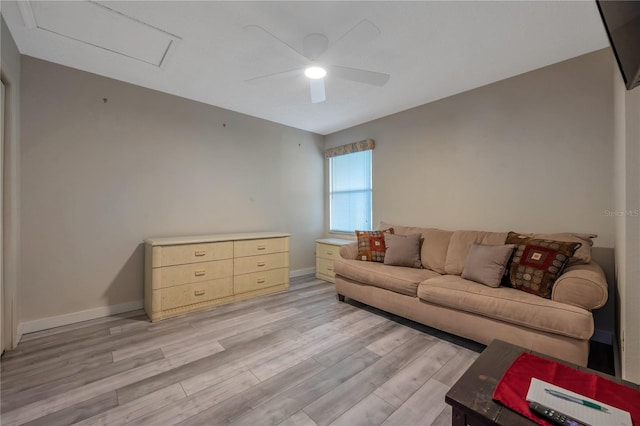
(485, 264)
(402, 250)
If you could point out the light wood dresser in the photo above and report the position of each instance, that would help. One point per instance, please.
(185, 274)
(328, 250)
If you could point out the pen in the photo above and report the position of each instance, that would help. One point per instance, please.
(576, 400)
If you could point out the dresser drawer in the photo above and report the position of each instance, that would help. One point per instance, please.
(188, 294)
(191, 253)
(263, 246)
(258, 280)
(327, 251)
(247, 265)
(191, 273)
(325, 267)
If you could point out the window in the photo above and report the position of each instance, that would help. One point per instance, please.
(350, 192)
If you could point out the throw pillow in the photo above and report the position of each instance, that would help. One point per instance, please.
(582, 254)
(402, 250)
(537, 263)
(371, 245)
(485, 264)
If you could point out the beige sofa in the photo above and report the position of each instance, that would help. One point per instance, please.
(438, 297)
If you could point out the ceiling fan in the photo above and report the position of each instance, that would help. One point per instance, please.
(314, 48)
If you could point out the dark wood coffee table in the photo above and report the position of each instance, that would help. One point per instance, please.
(470, 397)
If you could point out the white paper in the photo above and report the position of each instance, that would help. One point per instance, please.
(614, 417)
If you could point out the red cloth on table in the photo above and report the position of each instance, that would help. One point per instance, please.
(514, 385)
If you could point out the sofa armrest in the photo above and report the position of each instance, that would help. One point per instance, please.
(349, 251)
(583, 285)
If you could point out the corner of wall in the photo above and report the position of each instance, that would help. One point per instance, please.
(11, 76)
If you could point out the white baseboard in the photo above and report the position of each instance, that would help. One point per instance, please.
(66, 319)
(89, 314)
(19, 334)
(302, 272)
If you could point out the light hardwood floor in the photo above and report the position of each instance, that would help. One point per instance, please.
(294, 358)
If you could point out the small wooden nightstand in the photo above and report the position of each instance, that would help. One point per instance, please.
(328, 250)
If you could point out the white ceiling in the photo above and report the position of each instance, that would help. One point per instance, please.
(201, 51)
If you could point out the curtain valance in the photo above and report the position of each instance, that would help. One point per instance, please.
(364, 145)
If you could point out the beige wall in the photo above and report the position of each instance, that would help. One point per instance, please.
(10, 74)
(531, 153)
(98, 178)
(627, 202)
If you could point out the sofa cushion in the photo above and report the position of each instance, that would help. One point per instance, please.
(402, 250)
(434, 245)
(583, 254)
(486, 264)
(371, 245)
(398, 279)
(434, 249)
(509, 305)
(460, 244)
(538, 263)
(402, 230)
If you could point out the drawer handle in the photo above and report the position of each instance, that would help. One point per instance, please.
(329, 253)
(262, 247)
(200, 252)
(198, 292)
(261, 263)
(260, 280)
(200, 273)
(329, 268)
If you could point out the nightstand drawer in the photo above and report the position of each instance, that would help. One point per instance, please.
(188, 294)
(258, 280)
(327, 251)
(325, 267)
(191, 273)
(263, 246)
(247, 265)
(191, 253)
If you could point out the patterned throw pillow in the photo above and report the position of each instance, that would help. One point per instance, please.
(537, 263)
(371, 245)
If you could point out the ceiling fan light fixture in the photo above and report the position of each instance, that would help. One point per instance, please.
(315, 72)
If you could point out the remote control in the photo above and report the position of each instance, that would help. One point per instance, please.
(553, 416)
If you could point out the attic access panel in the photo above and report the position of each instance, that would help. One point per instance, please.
(100, 26)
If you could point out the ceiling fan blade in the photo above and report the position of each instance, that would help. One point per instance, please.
(282, 74)
(317, 90)
(361, 76)
(263, 34)
(359, 34)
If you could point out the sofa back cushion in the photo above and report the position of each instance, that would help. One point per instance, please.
(401, 230)
(434, 249)
(435, 243)
(460, 244)
(583, 254)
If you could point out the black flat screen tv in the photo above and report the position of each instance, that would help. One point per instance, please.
(622, 23)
